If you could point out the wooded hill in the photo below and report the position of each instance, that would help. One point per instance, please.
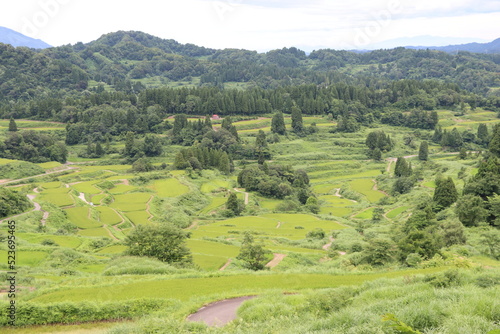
(123, 58)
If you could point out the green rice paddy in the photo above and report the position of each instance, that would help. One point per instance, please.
(169, 188)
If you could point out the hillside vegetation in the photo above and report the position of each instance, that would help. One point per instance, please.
(350, 193)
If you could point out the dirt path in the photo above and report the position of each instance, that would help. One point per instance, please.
(148, 207)
(225, 265)
(277, 260)
(279, 225)
(110, 233)
(243, 192)
(4, 182)
(37, 207)
(82, 197)
(219, 313)
(337, 193)
(375, 187)
(328, 245)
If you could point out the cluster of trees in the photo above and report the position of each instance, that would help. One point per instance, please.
(481, 195)
(33, 146)
(150, 146)
(417, 119)
(378, 142)
(162, 241)
(455, 139)
(199, 158)
(275, 181)
(12, 202)
(405, 179)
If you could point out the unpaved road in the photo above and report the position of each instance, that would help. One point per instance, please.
(4, 182)
(243, 192)
(218, 313)
(276, 260)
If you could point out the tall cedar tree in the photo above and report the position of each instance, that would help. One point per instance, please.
(224, 164)
(227, 124)
(297, 123)
(495, 141)
(423, 151)
(402, 168)
(278, 123)
(12, 125)
(208, 122)
(483, 134)
(445, 194)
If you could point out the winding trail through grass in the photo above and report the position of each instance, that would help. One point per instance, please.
(243, 192)
(65, 168)
(276, 260)
(328, 245)
(225, 265)
(375, 188)
(37, 207)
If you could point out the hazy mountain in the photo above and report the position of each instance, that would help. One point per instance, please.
(491, 47)
(9, 36)
(446, 44)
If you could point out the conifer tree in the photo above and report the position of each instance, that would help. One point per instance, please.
(180, 161)
(278, 123)
(423, 152)
(445, 194)
(99, 150)
(482, 133)
(224, 164)
(129, 144)
(495, 141)
(12, 125)
(377, 154)
(402, 168)
(438, 134)
(297, 123)
(208, 122)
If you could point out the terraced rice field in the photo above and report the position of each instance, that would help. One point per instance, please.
(108, 216)
(169, 188)
(87, 187)
(292, 226)
(208, 187)
(211, 255)
(95, 232)
(366, 214)
(138, 217)
(131, 202)
(396, 212)
(61, 240)
(57, 196)
(335, 206)
(365, 187)
(79, 216)
(215, 202)
(26, 257)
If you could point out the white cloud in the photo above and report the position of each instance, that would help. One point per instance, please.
(254, 24)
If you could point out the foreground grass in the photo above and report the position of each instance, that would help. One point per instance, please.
(236, 285)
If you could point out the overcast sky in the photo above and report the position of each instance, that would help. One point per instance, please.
(257, 24)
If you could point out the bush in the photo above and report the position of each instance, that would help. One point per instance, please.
(447, 279)
(29, 313)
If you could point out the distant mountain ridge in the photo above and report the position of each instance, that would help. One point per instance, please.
(491, 47)
(14, 38)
